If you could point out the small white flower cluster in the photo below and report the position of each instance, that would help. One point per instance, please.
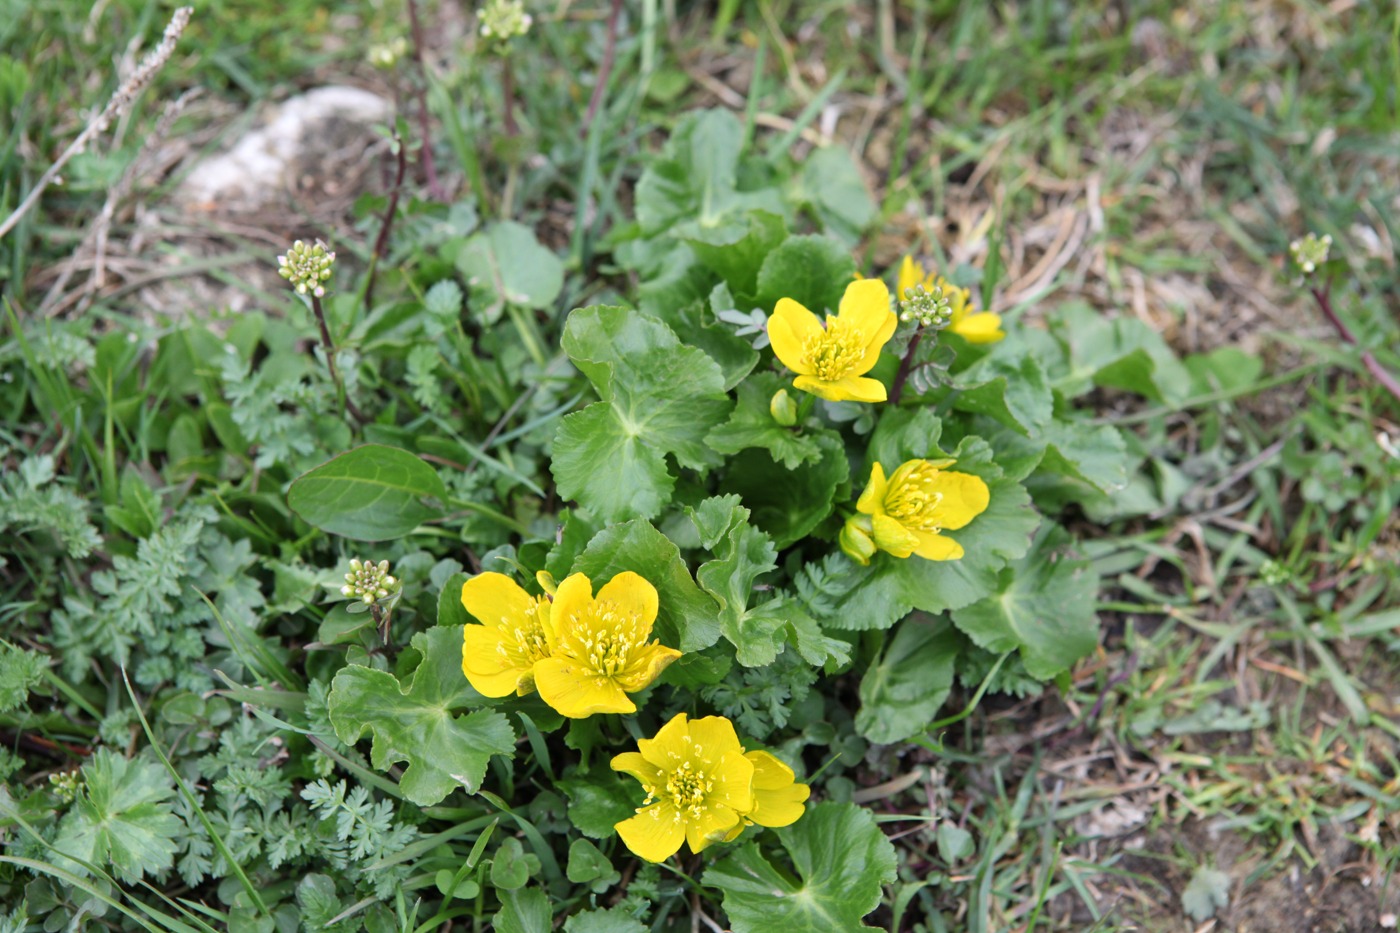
(1310, 252)
(307, 267)
(368, 581)
(503, 20)
(386, 56)
(929, 308)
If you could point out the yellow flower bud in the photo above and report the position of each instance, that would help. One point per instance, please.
(783, 408)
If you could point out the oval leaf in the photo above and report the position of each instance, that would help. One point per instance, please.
(371, 493)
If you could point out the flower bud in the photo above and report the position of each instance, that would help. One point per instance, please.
(783, 408)
(856, 541)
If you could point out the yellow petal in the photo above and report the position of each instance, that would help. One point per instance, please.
(636, 764)
(716, 736)
(576, 692)
(902, 472)
(495, 598)
(846, 389)
(890, 536)
(654, 833)
(777, 798)
(573, 598)
(789, 329)
(486, 669)
(872, 501)
(781, 807)
(910, 274)
(645, 665)
(866, 306)
(964, 498)
(632, 592)
(712, 825)
(733, 781)
(769, 771)
(983, 327)
(937, 547)
(670, 740)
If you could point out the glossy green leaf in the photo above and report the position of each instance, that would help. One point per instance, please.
(841, 860)
(832, 186)
(751, 425)
(901, 693)
(811, 270)
(658, 396)
(505, 265)
(612, 920)
(413, 721)
(1043, 606)
(371, 493)
(788, 503)
(524, 911)
(742, 554)
(122, 817)
(686, 617)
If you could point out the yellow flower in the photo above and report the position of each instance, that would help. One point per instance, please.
(598, 649)
(907, 513)
(777, 797)
(699, 786)
(499, 655)
(982, 327)
(831, 361)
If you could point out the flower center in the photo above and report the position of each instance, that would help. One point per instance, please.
(686, 789)
(606, 637)
(913, 502)
(833, 353)
(528, 636)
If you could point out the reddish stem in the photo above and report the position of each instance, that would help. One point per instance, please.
(1373, 365)
(905, 365)
(429, 166)
(604, 69)
(381, 243)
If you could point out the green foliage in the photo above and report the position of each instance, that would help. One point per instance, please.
(658, 398)
(20, 672)
(411, 719)
(371, 493)
(840, 859)
(121, 818)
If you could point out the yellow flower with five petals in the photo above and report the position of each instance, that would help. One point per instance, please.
(598, 648)
(702, 787)
(981, 327)
(499, 655)
(831, 360)
(908, 513)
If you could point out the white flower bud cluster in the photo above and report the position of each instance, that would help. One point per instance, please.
(503, 20)
(307, 267)
(929, 308)
(1310, 252)
(368, 581)
(385, 57)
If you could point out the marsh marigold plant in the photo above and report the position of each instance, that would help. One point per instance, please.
(974, 327)
(703, 787)
(907, 513)
(583, 653)
(598, 646)
(831, 359)
(499, 655)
